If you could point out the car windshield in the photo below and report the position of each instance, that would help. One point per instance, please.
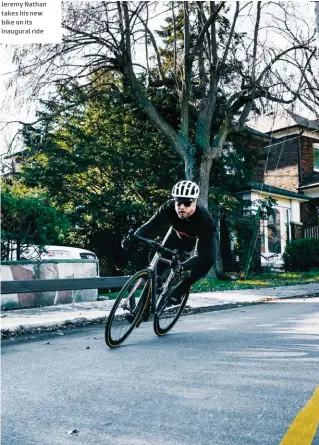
(88, 256)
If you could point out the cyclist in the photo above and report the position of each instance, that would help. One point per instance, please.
(192, 226)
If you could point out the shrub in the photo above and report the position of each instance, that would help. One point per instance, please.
(28, 220)
(302, 254)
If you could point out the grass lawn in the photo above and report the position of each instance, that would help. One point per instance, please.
(266, 279)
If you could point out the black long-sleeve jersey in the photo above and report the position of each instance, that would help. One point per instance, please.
(199, 226)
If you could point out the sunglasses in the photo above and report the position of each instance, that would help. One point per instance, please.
(187, 203)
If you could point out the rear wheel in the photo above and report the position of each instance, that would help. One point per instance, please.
(128, 308)
(166, 316)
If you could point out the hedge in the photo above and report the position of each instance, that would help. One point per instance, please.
(302, 254)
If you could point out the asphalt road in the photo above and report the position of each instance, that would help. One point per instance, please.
(233, 377)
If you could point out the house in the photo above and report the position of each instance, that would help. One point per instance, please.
(10, 163)
(289, 173)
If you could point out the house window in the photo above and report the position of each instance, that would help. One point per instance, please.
(316, 157)
(273, 231)
(270, 232)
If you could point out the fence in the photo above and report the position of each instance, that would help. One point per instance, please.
(28, 283)
(109, 269)
(105, 268)
(311, 232)
(24, 286)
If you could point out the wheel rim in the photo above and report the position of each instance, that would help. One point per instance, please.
(127, 308)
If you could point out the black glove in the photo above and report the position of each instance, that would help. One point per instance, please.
(127, 243)
(177, 266)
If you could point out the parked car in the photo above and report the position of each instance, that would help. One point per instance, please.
(51, 253)
(62, 252)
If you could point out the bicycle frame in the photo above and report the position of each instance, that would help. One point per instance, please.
(153, 271)
(152, 268)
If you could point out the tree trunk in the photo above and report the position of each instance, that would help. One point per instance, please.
(202, 167)
(8, 249)
(18, 250)
(218, 267)
(200, 175)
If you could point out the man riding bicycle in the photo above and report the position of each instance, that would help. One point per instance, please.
(192, 227)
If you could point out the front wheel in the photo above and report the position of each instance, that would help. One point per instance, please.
(166, 316)
(128, 308)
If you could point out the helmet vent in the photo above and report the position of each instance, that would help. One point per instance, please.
(185, 189)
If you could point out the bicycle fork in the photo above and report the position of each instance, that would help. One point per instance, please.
(130, 301)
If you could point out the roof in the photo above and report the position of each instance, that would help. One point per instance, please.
(309, 186)
(67, 248)
(271, 122)
(256, 133)
(269, 189)
(20, 152)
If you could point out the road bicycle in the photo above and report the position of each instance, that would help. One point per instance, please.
(144, 295)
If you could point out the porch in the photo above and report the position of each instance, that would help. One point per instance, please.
(311, 232)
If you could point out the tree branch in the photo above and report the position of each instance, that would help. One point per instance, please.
(159, 63)
(278, 57)
(230, 37)
(248, 106)
(187, 76)
(205, 28)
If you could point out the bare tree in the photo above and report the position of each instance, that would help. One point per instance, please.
(317, 19)
(251, 54)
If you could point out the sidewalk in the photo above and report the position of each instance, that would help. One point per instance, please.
(22, 321)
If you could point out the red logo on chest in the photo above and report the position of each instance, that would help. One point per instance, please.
(185, 234)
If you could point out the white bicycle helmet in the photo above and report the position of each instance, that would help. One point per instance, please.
(185, 189)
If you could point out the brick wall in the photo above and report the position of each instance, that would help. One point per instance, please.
(281, 166)
(308, 174)
(286, 178)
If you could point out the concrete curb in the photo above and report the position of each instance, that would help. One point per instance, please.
(50, 319)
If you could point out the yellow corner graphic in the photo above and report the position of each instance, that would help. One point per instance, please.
(304, 427)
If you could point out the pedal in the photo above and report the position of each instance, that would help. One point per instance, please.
(129, 318)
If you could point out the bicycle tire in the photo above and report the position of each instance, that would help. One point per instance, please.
(138, 288)
(162, 315)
